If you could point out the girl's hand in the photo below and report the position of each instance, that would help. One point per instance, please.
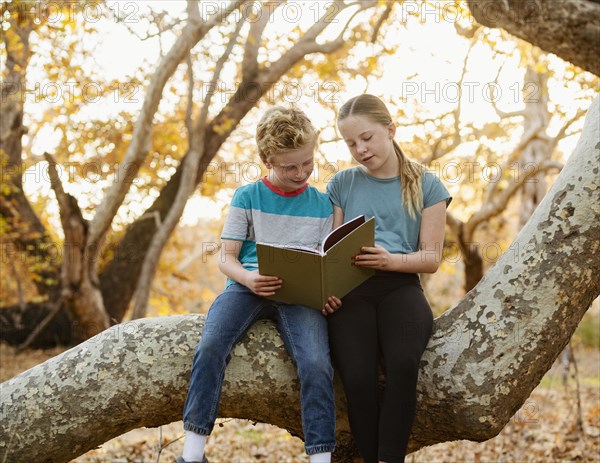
(262, 285)
(374, 257)
(333, 304)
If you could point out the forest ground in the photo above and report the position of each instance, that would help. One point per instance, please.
(543, 430)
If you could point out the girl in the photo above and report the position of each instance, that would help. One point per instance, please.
(388, 314)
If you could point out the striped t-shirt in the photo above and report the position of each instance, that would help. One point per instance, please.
(262, 213)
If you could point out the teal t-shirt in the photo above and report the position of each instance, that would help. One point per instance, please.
(261, 213)
(358, 193)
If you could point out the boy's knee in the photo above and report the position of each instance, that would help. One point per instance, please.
(318, 364)
(211, 347)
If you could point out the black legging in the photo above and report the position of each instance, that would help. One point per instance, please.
(387, 314)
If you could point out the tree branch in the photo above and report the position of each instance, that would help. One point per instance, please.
(190, 100)
(498, 204)
(562, 133)
(250, 61)
(454, 223)
(186, 187)
(138, 149)
(75, 228)
(389, 6)
(568, 28)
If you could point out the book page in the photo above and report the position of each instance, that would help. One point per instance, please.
(340, 273)
(337, 234)
(292, 247)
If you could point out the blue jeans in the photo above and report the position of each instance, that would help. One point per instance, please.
(304, 333)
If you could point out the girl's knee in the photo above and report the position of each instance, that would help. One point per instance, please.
(358, 383)
(402, 367)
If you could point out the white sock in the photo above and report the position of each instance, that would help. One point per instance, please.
(324, 457)
(193, 446)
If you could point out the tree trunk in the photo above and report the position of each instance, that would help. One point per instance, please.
(119, 278)
(18, 323)
(535, 123)
(473, 265)
(23, 234)
(485, 356)
(567, 28)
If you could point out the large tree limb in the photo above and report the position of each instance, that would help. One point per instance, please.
(567, 28)
(485, 356)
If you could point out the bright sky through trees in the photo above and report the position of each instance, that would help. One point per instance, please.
(422, 77)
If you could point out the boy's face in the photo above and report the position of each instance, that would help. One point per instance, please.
(291, 170)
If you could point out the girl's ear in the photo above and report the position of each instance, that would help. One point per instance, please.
(392, 130)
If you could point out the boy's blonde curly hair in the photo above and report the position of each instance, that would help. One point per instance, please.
(283, 129)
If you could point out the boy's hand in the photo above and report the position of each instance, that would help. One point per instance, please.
(374, 257)
(333, 304)
(262, 285)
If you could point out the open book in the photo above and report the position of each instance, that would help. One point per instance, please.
(310, 276)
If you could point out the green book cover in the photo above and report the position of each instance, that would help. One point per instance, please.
(310, 276)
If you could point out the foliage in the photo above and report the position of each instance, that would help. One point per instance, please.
(89, 143)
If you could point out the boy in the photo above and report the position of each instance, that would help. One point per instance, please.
(278, 209)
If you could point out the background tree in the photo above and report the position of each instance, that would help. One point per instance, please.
(485, 357)
(523, 172)
(96, 296)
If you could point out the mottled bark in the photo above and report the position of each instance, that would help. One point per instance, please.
(485, 356)
(567, 28)
(136, 374)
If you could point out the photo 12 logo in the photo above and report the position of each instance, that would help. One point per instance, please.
(471, 92)
(59, 92)
(53, 12)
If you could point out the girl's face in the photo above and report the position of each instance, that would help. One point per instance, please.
(370, 144)
(292, 169)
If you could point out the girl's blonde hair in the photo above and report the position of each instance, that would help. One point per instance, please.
(410, 172)
(283, 129)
